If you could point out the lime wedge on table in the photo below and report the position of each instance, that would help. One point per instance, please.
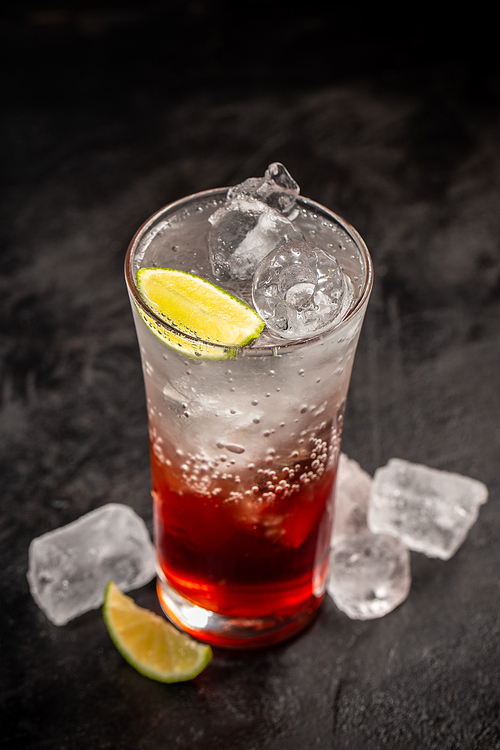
(198, 308)
(149, 643)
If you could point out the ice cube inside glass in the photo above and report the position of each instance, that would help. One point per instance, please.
(244, 442)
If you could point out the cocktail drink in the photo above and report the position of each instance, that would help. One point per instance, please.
(245, 439)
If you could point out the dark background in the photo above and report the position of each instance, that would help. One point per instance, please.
(111, 111)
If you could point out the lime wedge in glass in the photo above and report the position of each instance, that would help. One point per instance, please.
(199, 309)
(149, 643)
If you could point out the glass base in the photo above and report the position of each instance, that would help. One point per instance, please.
(232, 632)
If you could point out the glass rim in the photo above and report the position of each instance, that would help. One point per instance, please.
(269, 348)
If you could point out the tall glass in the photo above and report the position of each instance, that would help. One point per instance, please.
(244, 441)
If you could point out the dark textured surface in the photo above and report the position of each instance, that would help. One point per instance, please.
(106, 117)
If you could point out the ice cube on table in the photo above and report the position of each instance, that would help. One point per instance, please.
(300, 291)
(369, 575)
(277, 188)
(430, 510)
(242, 232)
(70, 567)
(352, 495)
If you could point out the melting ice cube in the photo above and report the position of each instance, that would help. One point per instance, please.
(352, 495)
(369, 575)
(70, 567)
(299, 290)
(243, 231)
(430, 510)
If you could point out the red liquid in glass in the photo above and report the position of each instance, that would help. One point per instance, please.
(249, 558)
